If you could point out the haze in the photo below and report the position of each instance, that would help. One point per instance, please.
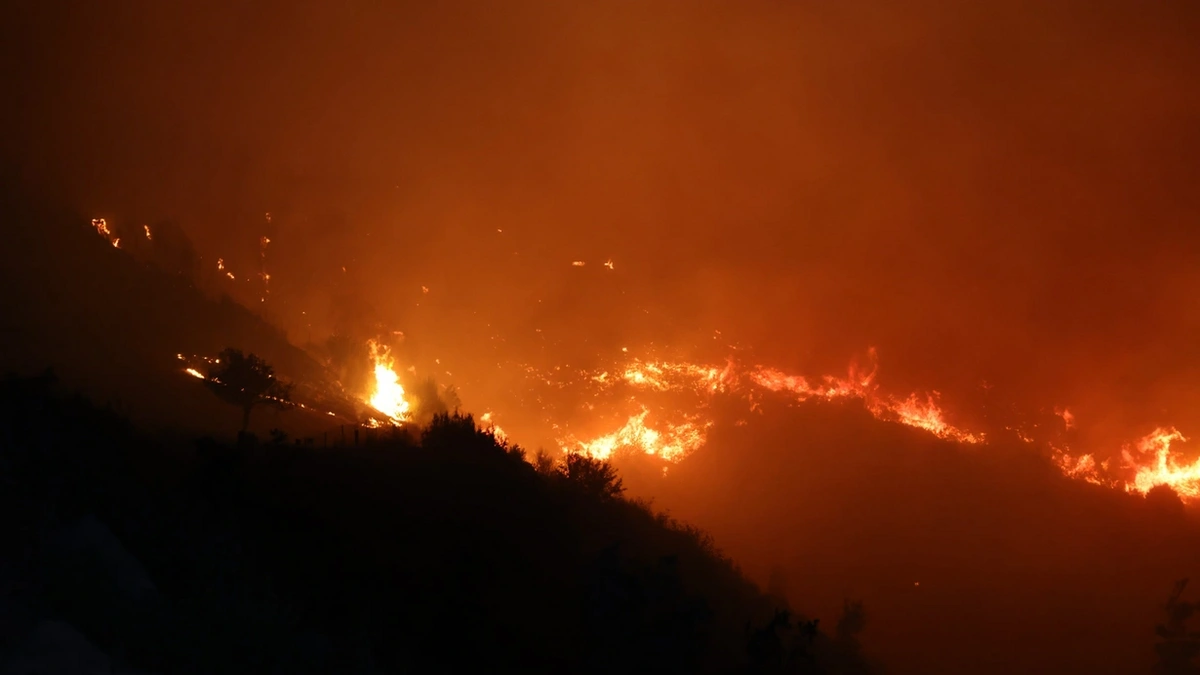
(996, 195)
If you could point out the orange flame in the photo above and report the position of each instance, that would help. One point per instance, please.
(486, 421)
(672, 444)
(1166, 468)
(388, 395)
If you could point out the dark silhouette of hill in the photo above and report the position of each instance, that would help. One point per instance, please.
(446, 552)
(980, 559)
(111, 323)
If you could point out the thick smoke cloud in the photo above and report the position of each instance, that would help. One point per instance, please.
(994, 191)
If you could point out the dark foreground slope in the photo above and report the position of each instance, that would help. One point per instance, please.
(442, 555)
(111, 322)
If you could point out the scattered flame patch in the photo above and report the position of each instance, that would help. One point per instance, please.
(103, 230)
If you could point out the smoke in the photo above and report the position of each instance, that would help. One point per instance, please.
(998, 196)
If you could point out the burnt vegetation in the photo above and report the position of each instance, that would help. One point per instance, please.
(434, 552)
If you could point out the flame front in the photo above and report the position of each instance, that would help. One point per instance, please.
(672, 436)
(1150, 462)
(388, 395)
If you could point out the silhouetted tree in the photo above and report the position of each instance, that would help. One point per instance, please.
(592, 476)
(781, 645)
(851, 623)
(544, 463)
(1179, 647)
(246, 381)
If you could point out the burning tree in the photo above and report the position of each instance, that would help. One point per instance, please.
(245, 380)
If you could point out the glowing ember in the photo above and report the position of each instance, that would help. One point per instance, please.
(388, 395)
(194, 373)
(263, 242)
(147, 229)
(578, 263)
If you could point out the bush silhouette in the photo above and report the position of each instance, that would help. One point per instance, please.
(591, 476)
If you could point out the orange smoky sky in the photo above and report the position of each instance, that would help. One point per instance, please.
(991, 191)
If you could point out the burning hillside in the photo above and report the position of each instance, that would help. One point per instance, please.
(665, 408)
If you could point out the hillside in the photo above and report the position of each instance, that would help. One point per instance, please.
(439, 555)
(112, 325)
(981, 559)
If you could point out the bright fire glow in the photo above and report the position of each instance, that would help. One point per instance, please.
(388, 395)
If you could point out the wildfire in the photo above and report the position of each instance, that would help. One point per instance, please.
(674, 429)
(388, 395)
